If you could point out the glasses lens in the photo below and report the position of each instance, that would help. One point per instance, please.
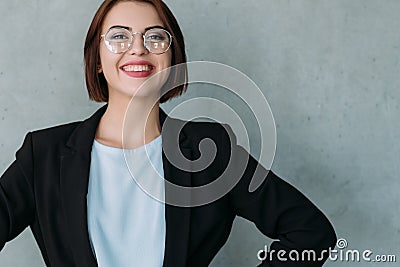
(157, 41)
(118, 40)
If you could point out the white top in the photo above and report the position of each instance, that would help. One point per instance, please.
(126, 225)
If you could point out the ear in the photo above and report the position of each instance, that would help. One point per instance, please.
(99, 69)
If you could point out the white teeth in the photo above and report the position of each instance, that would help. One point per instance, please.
(137, 68)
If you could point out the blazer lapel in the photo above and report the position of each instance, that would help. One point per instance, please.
(74, 170)
(74, 176)
(177, 218)
(177, 223)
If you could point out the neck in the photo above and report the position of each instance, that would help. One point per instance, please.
(129, 122)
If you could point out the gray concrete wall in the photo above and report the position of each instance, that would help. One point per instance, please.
(329, 68)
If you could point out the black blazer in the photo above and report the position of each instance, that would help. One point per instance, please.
(46, 186)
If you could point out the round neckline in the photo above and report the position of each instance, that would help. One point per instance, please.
(111, 148)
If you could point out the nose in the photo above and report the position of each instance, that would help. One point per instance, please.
(138, 47)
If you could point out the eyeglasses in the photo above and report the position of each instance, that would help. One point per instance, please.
(119, 40)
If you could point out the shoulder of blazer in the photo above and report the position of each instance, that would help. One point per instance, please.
(60, 135)
(54, 135)
(219, 132)
(207, 136)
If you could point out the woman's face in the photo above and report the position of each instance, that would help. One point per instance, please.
(127, 71)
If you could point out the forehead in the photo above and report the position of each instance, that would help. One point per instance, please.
(136, 15)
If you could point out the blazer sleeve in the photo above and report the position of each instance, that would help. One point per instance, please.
(16, 194)
(280, 212)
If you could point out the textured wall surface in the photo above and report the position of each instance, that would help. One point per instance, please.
(330, 70)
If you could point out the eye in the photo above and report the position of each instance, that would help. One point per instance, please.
(119, 36)
(156, 37)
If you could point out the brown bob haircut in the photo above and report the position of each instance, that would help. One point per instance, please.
(96, 83)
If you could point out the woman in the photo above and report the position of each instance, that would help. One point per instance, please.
(70, 184)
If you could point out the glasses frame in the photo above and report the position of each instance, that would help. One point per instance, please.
(133, 38)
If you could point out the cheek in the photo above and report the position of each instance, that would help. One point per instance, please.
(108, 61)
(169, 58)
(103, 57)
(166, 64)
(166, 59)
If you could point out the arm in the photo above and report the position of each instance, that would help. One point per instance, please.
(281, 212)
(16, 194)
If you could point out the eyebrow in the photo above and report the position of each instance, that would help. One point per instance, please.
(146, 29)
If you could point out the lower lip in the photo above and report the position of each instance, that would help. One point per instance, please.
(138, 74)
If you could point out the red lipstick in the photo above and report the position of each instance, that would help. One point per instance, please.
(138, 68)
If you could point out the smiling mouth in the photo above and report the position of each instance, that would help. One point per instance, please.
(137, 68)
